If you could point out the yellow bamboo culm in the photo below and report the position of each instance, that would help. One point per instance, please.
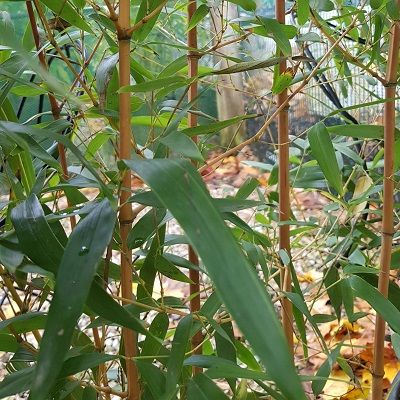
(193, 64)
(388, 194)
(284, 192)
(126, 214)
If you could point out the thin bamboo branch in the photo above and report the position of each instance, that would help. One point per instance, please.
(388, 193)
(54, 43)
(258, 135)
(15, 296)
(125, 213)
(193, 64)
(55, 109)
(102, 370)
(284, 192)
(348, 56)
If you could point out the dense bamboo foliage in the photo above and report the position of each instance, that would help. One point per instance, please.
(135, 264)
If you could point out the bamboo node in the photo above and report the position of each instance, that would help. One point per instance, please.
(377, 375)
(391, 234)
(126, 222)
(388, 84)
(124, 34)
(194, 55)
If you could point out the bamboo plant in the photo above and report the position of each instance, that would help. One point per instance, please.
(284, 187)
(387, 231)
(119, 154)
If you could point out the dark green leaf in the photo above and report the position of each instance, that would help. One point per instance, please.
(322, 149)
(324, 371)
(76, 272)
(248, 5)
(178, 350)
(67, 12)
(377, 301)
(182, 191)
(180, 143)
(303, 11)
(200, 13)
(201, 387)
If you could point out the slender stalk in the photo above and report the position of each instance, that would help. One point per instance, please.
(193, 63)
(126, 214)
(388, 192)
(55, 109)
(284, 191)
(15, 296)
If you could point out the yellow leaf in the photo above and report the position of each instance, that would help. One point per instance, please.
(362, 185)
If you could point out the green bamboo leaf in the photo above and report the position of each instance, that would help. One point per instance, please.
(8, 343)
(35, 236)
(357, 131)
(182, 144)
(169, 270)
(154, 84)
(201, 387)
(21, 381)
(248, 66)
(17, 382)
(324, 371)
(100, 302)
(322, 149)
(245, 355)
(218, 368)
(153, 377)
(28, 91)
(145, 227)
(75, 275)
(396, 343)
(146, 7)
(89, 393)
(178, 350)
(84, 362)
(224, 345)
(64, 10)
(23, 323)
(303, 11)
(377, 301)
(282, 82)
(180, 188)
(40, 244)
(103, 76)
(278, 33)
(158, 328)
(198, 15)
(215, 126)
(248, 5)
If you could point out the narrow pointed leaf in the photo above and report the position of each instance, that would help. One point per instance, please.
(180, 188)
(377, 301)
(179, 345)
(201, 387)
(322, 149)
(75, 275)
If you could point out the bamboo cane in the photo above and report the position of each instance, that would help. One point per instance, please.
(388, 193)
(193, 62)
(284, 194)
(55, 110)
(126, 214)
